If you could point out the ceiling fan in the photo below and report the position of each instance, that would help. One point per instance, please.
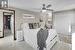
(45, 8)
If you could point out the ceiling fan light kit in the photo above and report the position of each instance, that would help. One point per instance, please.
(43, 11)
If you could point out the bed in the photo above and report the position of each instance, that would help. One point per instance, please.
(30, 37)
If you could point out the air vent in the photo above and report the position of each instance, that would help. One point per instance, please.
(28, 16)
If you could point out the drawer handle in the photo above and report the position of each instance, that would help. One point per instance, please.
(54, 37)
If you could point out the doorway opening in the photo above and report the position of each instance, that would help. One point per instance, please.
(8, 24)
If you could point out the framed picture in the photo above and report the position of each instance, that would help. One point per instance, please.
(33, 25)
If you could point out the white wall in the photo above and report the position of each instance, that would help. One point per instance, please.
(19, 17)
(62, 20)
(1, 23)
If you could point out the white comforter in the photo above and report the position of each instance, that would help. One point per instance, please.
(30, 36)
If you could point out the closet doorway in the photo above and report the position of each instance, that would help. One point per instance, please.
(8, 24)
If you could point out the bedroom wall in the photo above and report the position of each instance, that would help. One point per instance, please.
(19, 17)
(1, 23)
(62, 20)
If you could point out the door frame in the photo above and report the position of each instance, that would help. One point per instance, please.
(14, 22)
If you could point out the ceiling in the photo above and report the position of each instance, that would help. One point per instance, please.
(57, 5)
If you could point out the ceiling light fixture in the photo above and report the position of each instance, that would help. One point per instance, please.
(4, 4)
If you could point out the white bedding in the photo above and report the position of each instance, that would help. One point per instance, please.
(30, 36)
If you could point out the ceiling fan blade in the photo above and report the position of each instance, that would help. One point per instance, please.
(49, 5)
(50, 9)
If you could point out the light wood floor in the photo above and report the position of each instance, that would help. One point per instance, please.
(8, 43)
